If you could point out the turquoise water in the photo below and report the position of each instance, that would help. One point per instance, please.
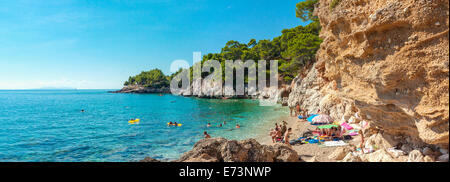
(46, 125)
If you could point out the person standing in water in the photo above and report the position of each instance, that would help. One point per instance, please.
(297, 109)
(206, 134)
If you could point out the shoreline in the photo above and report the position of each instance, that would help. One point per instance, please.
(307, 152)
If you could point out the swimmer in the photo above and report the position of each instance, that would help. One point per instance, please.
(238, 126)
(208, 125)
(206, 134)
(220, 125)
(82, 110)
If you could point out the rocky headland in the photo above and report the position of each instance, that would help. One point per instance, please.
(142, 90)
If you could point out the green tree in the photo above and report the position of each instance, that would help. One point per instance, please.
(305, 9)
(153, 78)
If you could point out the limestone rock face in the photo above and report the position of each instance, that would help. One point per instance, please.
(443, 158)
(415, 156)
(378, 156)
(351, 158)
(339, 153)
(223, 150)
(385, 62)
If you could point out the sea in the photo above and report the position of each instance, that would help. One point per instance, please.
(49, 125)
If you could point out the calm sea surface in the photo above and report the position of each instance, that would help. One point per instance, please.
(47, 125)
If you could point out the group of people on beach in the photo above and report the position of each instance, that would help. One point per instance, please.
(331, 133)
(206, 135)
(281, 133)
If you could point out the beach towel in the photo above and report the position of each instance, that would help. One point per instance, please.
(346, 126)
(334, 143)
(327, 126)
(353, 132)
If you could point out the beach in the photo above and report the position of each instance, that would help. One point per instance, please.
(307, 152)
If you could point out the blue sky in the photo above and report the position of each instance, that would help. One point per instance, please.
(97, 44)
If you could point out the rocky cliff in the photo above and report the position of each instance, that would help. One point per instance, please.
(385, 62)
(223, 150)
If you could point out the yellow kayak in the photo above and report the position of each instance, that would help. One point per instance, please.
(134, 121)
(178, 124)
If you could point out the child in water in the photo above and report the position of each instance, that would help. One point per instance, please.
(206, 134)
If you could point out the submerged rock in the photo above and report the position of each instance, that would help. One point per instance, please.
(149, 159)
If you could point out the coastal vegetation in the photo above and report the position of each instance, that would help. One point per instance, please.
(154, 78)
(295, 48)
